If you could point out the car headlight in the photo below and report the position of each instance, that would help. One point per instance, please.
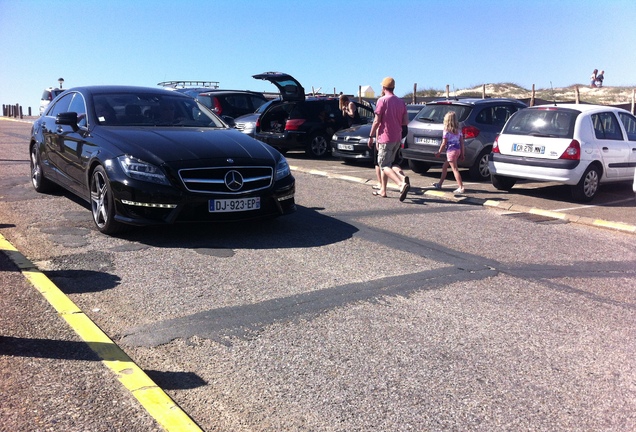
(334, 138)
(140, 170)
(282, 169)
(364, 140)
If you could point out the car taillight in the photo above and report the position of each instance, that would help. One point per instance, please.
(495, 145)
(470, 132)
(293, 124)
(218, 109)
(573, 152)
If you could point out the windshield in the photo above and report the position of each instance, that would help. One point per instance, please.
(261, 109)
(151, 109)
(546, 122)
(434, 113)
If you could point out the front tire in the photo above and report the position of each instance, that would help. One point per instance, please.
(318, 146)
(585, 190)
(103, 203)
(503, 183)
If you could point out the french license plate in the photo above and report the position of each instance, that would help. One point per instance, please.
(420, 140)
(528, 148)
(234, 205)
(345, 147)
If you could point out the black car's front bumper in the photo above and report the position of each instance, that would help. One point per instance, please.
(141, 203)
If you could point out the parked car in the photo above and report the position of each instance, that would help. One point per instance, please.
(247, 123)
(47, 96)
(296, 121)
(480, 120)
(144, 156)
(227, 104)
(573, 144)
(232, 103)
(352, 144)
(634, 185)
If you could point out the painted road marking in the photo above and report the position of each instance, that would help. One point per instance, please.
(154, 400)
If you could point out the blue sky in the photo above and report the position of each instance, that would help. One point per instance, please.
(326, 44)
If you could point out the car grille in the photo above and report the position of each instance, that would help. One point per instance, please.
(227, 180)
(349, 139)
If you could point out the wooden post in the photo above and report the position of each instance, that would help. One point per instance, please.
(483, 91)
(532, 97)
(577, 96)
(359, 94)
(415, 93)
(447, 91)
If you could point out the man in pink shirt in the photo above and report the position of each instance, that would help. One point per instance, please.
(390, 118)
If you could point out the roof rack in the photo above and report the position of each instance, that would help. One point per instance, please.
(184, 84)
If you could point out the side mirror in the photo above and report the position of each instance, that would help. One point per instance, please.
(229, 120)
(68, 119)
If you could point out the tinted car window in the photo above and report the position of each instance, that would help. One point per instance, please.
(547, 122)
(629, 122)
(606, 126)
(78, 106)
(315, 110)
(61, 106)
(434, 113)
(495, 115)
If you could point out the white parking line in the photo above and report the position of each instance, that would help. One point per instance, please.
(592, 206)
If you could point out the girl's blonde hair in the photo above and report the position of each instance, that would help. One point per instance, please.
(450, 122)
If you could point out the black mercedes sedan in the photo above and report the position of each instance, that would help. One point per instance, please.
(145, 156)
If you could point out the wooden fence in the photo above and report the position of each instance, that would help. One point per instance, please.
(14, 111)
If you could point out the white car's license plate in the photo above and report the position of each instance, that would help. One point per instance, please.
(234, 205)
(345, 147)
(420, 140)
(528, 148)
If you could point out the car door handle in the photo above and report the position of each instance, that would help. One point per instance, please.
(605, 149)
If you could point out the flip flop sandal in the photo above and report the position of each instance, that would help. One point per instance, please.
(404, 191)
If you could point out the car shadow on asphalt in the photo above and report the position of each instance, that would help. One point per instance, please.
(305, 228)
(611, 195)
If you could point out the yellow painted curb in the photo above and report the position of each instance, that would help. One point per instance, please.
(547, 213)
(614, 225)
(154, 400)
(435, 193)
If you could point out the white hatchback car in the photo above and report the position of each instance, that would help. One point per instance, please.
(634, 186)
(47, 96)
(574, 144)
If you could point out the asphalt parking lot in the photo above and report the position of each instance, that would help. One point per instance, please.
(72, 398)
(613, 208)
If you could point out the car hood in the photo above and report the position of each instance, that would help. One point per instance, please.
(174, 144)
(247, 118)
(358, 130)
